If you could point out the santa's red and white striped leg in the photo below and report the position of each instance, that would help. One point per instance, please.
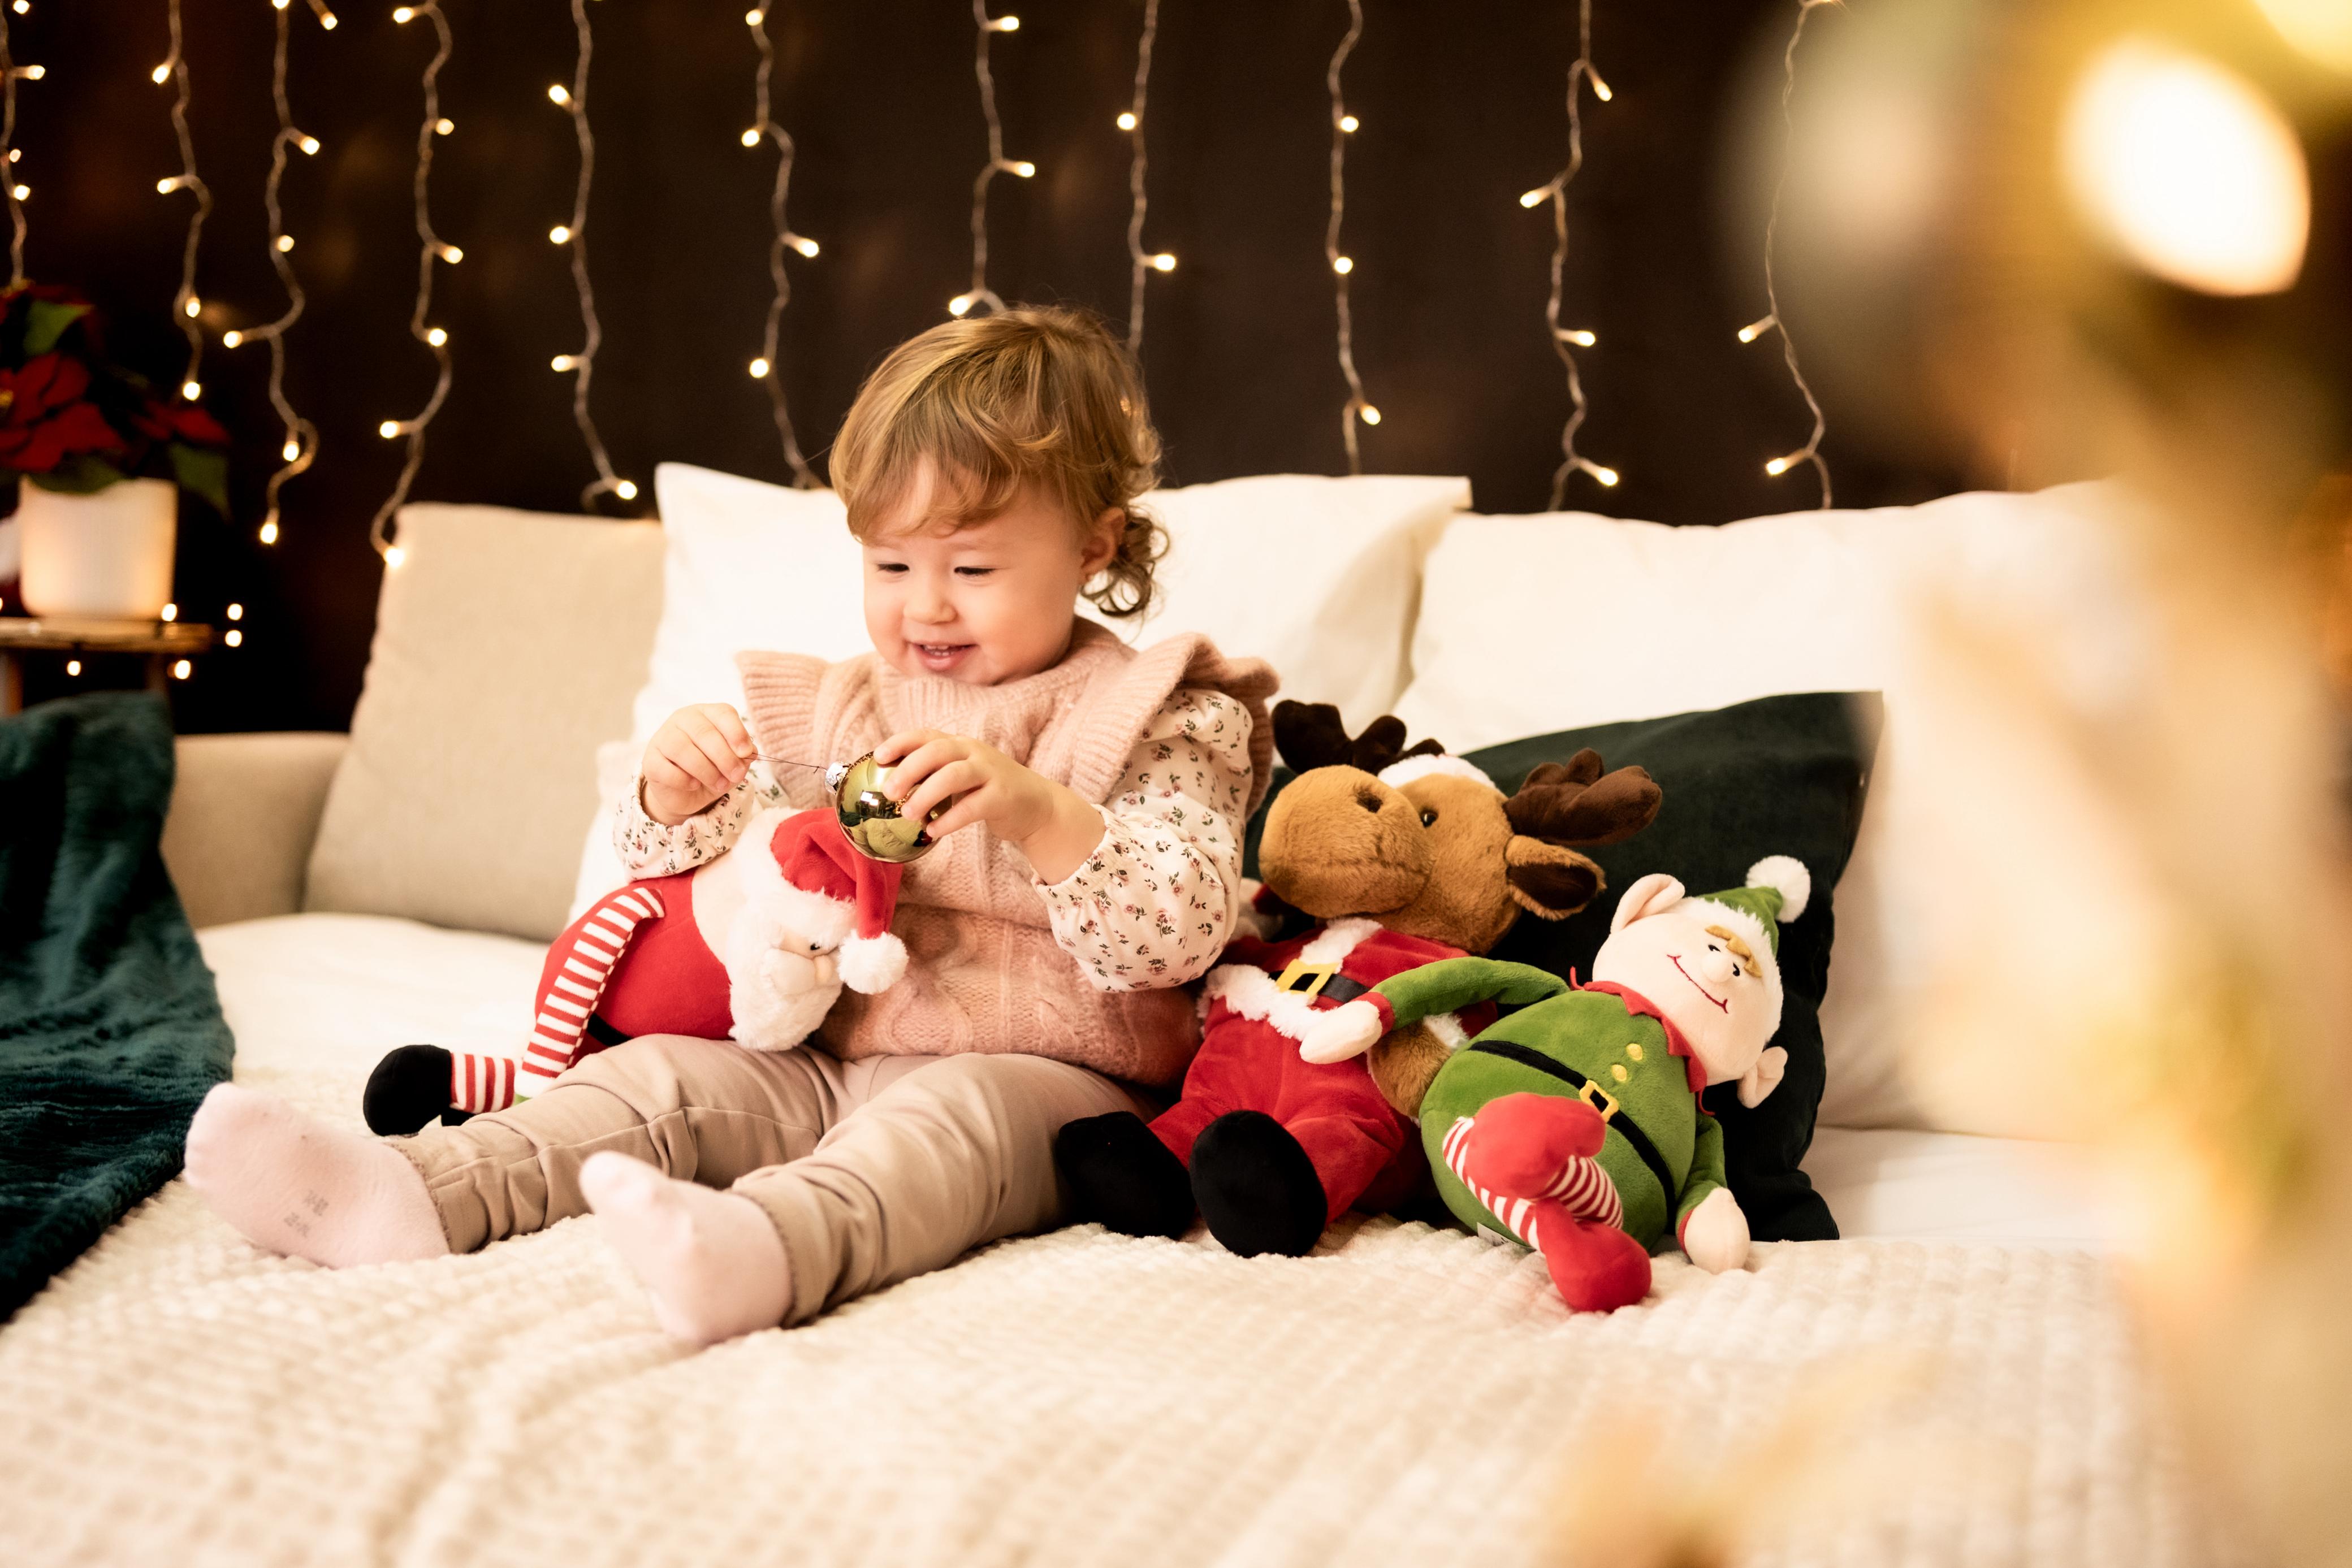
(480, 1084)
(1573, 1215)
(591, 950)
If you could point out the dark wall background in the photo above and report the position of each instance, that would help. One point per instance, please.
(1462, 109)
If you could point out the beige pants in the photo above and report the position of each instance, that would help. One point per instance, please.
(874, 1171)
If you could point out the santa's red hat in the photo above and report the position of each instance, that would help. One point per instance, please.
(825, 893)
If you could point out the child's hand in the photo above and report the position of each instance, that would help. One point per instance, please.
(1048, 822)
(697, 755)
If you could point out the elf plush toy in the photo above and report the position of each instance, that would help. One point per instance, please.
(1574, 1125)
(753, 945)
(1405, 858)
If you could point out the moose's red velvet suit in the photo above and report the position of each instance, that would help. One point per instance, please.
(1258, 1005)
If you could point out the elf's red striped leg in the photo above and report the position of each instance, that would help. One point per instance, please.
(1574, 1222)
(591, 949)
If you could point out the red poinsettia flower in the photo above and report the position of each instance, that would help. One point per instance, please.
(43, 419)
(165, 421)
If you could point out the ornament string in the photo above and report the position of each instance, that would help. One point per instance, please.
(984, 28)
(431, 250)
(768, 367)
(1773, 321)
(1140, 263)
(1343, 125)
(11, 73)
(582, 365)
(187, 307)
(1556, 192)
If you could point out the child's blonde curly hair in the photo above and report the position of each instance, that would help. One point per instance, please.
(1041, 397)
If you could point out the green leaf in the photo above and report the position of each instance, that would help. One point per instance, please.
(202, 474)
(80, 474)
(49, 322)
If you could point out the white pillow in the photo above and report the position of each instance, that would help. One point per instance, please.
(1315, 575)
(1533, 624)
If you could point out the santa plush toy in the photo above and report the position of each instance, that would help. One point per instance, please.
(754, 945)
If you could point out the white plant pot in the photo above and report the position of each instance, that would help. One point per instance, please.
(106, 555)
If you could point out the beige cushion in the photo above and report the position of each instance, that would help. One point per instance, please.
(245, 814)
(508, 646)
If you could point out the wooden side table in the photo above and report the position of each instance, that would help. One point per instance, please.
(163, 643)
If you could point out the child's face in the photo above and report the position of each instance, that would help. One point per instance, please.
(981, 604)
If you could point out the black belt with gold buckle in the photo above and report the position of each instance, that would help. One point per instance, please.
(1322, 982)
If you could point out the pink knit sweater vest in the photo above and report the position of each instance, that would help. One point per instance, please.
(985, 973)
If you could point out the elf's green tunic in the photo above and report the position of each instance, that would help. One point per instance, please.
(1614, 1042)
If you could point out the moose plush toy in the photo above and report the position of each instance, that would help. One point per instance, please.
(754, 945)
(1574, 1123)
(1403, 858)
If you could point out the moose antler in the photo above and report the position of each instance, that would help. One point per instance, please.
(1575, 804)
(1311, 735)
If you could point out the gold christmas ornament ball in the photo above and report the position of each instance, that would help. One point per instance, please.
(870, 818)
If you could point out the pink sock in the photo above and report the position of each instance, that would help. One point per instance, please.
(711, 1260)
(296, 1185)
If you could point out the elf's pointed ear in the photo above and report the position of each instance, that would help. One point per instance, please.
(1550, 881)
(1764, 1077)
(1652, 894)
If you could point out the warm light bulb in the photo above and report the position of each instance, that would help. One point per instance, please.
(562, 363)
(1024, 169)
(34, 73)
(559, 234)
(1127, 121)
(403, 15)
(1343, 265)
(1368, 414)
(1535, 197)
(1580, 338)
(269, 530)
(436, 337)
(1165, 261)
(445, 126)
(1347, 122)
(388, 429)
(237, 612)
(328, 21)
(1780, 466)
(626, 489)
(959, 304)
(1608, 476)
(452, 255)
(1600, 89)
(168, 612)
(803, 244)
(195, 307)
(752, 136)
(290, 451)
(235, 639)
(21, 6)
(309, 145)
(2187, 170)
(191, 391)
(16, 154)
(231, 340)
(392, 556)
(759, 368)
(559, 93)
(1005, 25)
(754, 18)
(20, 191)
(164, 187)
(180, 670)
(1755, 329)
(285, 244)
(73, 666)
(278, 4)
(160, 74)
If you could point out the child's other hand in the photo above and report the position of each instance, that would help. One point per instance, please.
(1046, 822)
(697, 755)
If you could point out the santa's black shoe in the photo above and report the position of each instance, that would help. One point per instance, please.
(409, 1088)
(1122, 1176)
(1256, 1188)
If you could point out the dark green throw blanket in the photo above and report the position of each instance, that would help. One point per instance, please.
(109, 1029)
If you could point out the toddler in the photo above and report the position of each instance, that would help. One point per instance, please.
(1088, 866)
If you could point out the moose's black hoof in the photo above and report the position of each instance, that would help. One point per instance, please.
(408, 1088)
(1256, 1188)
(1122, 1176)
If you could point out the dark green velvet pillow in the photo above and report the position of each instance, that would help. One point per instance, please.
(1781, 775)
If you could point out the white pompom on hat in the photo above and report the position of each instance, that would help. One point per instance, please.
(826, 892)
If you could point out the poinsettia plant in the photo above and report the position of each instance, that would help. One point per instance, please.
(73, 420)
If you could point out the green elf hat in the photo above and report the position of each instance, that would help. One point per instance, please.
(1778, 887)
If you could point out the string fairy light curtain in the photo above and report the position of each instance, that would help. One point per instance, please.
(1343, 125)
(300, 447)
(187, 307)
(11, 73)
(432, 251)
(1140, 263)
(582, 366)
(766, 368)
(1555, 191)
(1771, 321)
(984, 29)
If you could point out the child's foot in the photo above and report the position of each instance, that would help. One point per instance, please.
(711, 1260)
(299, 1186)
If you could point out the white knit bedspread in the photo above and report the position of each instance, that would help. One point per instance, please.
(1405, 1396)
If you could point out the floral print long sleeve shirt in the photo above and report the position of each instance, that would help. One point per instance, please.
(1154, 902)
